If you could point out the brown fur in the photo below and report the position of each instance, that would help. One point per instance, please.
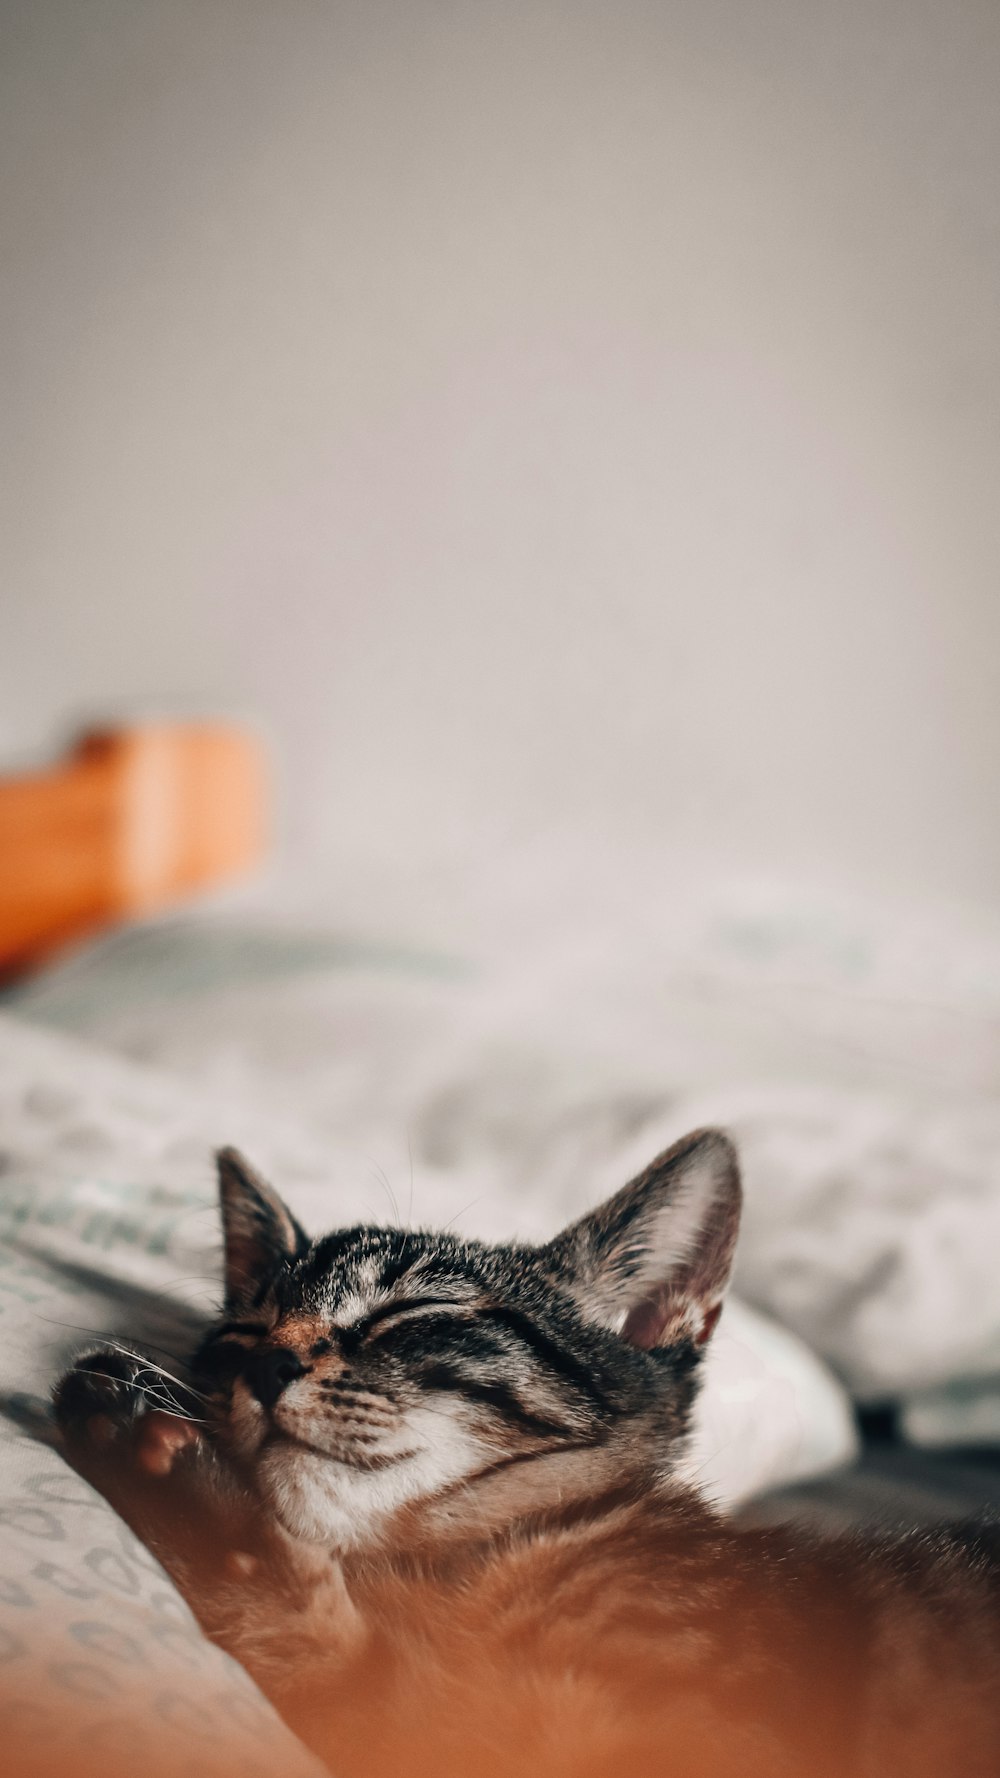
(632, 1630)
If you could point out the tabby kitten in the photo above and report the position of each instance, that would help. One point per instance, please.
(427, 1492)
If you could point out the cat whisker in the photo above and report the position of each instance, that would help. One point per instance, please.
(159, 1402)
(160, 1369)
(383, 1180)
(106, 1339)
(470, 1206)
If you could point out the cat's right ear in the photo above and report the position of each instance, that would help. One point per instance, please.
(653, 1262)
(258, 1230)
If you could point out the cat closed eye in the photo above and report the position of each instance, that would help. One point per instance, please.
(387, 1319)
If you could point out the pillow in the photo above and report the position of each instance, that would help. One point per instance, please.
(107, 1202)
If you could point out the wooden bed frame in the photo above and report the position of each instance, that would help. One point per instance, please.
(130, 821)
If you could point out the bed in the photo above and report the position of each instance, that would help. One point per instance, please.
(453, 1061)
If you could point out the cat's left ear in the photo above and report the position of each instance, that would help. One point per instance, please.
(258, 1229)
(653, 1262)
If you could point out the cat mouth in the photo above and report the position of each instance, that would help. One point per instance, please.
(366, 1462)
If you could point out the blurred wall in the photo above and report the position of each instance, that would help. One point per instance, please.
(541, 415)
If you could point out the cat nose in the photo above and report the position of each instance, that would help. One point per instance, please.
(269, 1373)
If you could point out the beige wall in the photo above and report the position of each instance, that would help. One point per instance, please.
(541, 414)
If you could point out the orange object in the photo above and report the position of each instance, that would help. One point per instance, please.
(132, 820)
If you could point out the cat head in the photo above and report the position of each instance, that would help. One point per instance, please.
(374, 1370)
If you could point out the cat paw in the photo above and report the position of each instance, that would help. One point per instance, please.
(114, 1399)
(103, 1391)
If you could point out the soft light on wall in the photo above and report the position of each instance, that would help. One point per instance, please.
(546, 416)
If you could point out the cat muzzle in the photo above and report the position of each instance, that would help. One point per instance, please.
(269, 1373)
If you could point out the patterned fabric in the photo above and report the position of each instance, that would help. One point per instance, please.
(105, 1186)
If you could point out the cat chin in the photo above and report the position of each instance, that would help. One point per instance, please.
(319, 1499)
(311, 1497)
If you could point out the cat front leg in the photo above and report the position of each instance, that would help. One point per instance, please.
(136, 1435)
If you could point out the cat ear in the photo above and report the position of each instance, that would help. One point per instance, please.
(653, 1262)
(258, 1230)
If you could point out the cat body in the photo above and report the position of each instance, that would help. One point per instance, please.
(633, 1631)
(435, 1511)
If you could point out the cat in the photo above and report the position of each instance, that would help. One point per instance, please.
(428, 1492)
